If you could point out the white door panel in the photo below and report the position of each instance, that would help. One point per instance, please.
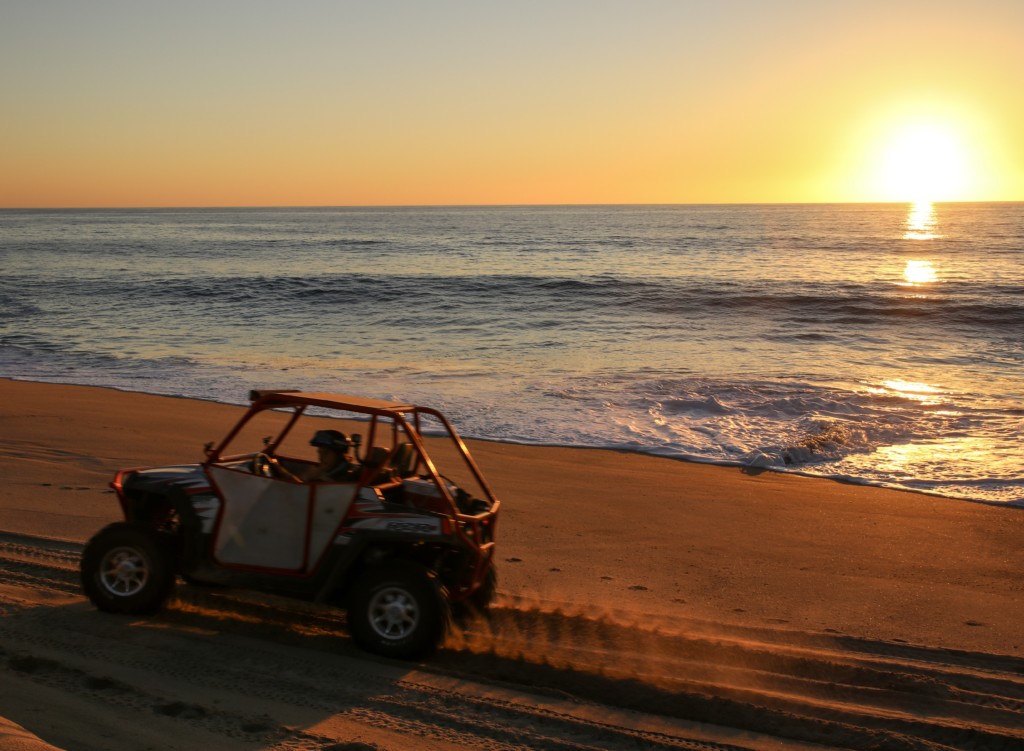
(330, 505)
(263, 520)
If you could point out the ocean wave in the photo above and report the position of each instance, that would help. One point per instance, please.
(38, 355)
(604, 295)
(13, 308)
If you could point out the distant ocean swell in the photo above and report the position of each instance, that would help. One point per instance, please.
(845, 305)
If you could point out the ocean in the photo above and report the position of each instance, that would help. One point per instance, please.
(880, 344)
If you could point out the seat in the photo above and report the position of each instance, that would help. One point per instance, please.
(404, 460)
(376, 457)
(381, 465)
(375, 470)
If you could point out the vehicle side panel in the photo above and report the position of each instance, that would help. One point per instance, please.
(262, 521)
(331, 503)
(276, 524)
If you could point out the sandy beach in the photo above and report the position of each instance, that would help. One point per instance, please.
(642, 601)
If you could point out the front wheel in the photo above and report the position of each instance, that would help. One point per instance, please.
(128, 568)
(398, 610)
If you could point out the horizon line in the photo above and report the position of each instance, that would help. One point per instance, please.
(195, 207)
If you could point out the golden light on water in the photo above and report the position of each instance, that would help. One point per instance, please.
(918, 272)
(914, 390)
(909, 458)
(921, 225)
(921, 222)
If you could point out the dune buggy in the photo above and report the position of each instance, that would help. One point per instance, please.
(393, 541)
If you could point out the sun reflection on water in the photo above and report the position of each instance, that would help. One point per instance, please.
(918, 272)
(938, 454)
(921, 222)
(915, 390)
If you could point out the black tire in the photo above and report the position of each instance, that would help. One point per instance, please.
(398, 610)
(128, 567)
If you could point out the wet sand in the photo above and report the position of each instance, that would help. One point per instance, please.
(596, 534)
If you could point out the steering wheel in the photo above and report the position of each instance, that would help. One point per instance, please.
(268, 466)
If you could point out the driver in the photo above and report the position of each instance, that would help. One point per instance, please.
(335, 462)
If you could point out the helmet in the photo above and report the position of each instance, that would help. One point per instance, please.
(332, 439)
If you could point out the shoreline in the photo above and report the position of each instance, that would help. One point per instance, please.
(597, 529)
(762, 610)
(686, 459)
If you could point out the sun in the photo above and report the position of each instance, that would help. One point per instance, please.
(921, 147)
(924, 162)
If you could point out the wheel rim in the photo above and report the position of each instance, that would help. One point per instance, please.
(393, 613)
(124, 572)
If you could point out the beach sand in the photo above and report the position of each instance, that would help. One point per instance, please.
(619, 573)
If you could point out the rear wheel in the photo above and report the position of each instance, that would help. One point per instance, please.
(398, 610)
(128, 567)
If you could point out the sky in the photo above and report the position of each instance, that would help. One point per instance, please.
(442, 102)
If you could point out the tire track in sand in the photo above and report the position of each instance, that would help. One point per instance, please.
(534, 674)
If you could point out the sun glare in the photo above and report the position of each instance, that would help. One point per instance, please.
(913, 390)
(924, 163)
(921, 223)
(919, 272)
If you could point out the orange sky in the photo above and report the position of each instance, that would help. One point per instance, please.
(238, 103)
